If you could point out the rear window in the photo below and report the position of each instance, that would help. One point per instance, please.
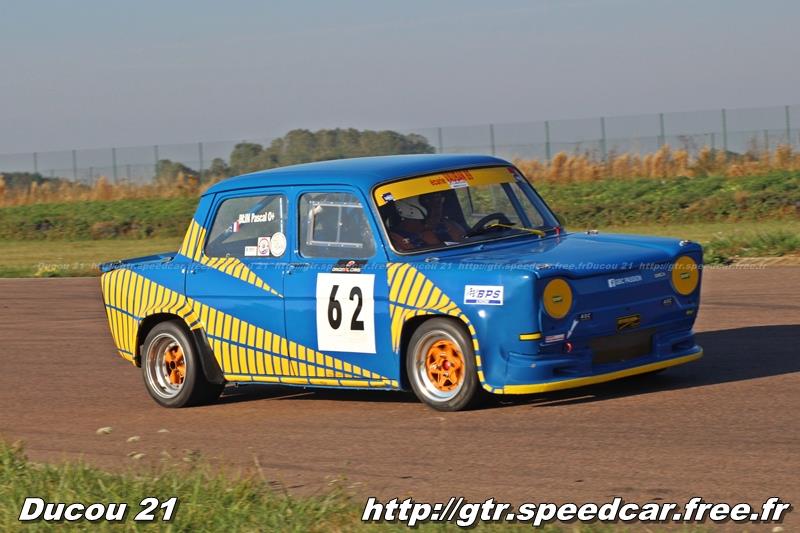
(249, 226)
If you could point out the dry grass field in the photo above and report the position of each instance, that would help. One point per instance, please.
(563, 168)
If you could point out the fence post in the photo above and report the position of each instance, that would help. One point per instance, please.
(713, 141)
(200, 155)
(788, 126)
(662, 137)
(491, 137)
(603, 146)
(75, 165)
(114, 162)
(547, 140)
(439, 136)
(155, 154)
(724, 133)
(35, 163)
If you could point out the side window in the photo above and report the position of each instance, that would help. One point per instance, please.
(249, 226)
(333, 224)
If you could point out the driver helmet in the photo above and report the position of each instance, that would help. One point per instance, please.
(410, 209)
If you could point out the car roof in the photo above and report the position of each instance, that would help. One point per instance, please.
(363, 172)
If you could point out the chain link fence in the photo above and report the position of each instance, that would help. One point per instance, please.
(731, 130)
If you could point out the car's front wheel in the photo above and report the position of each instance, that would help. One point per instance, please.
(440, 364)
(172, 370)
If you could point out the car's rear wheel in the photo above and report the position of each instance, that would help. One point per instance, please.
(440, 364)
(172, 370)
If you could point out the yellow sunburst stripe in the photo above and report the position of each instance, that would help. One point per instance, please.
(234, 267)
(292, 380)
(412, 294)
(239, 347)
(192, 248)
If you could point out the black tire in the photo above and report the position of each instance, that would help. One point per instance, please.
(445, 336)
(169, 343)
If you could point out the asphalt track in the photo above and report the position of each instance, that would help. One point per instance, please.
(726, 427)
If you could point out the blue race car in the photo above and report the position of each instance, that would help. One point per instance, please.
(444, 274)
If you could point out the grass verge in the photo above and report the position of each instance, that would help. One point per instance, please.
(208, 500)
(598, 203)
(724, 242)
(73, 258)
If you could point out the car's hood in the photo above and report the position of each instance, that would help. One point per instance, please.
(574, 254)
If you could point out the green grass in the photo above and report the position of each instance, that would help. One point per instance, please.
(606, 202)
(73, 258)
(723, 241)
(155, 217)
(209, 500)
(675, 200)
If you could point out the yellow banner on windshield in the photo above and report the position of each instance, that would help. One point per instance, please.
(442, 182)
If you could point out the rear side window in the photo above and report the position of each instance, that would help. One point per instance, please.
(334, 225)
(249, 226)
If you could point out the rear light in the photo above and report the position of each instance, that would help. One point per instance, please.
(568, 347)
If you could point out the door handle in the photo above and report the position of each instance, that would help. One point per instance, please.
(297, 266)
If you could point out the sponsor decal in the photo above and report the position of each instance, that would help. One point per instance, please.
(554, 338)
(387, 197)
(236, 226)
(584, 317)
(263, 246)
(250, 251)
(348, 266)
(628, 322)
(483, 294)
(278, 244)
(658, 275)
(252, 218)
(616, 282)
(668, 301)
(456, 180)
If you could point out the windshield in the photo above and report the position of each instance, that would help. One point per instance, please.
(460, 207)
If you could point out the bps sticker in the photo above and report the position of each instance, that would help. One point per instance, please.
(483, 294)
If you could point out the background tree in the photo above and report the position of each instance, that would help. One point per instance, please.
(305, 146)
(168, 172)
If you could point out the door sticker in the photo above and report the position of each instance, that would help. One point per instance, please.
(278, 244)
(346, 313)
(263, 246)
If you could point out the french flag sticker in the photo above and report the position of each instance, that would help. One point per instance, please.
(236, 226)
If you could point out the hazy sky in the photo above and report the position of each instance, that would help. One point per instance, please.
(96, 73)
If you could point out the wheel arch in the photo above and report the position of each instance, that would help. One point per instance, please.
(211, 368)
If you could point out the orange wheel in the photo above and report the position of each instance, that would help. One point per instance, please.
(172, 367)
(175, 364)
(440, 365)
(165, 365)
(444, 364)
